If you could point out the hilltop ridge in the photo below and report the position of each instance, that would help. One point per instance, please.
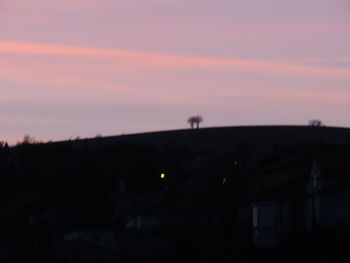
(221, 139)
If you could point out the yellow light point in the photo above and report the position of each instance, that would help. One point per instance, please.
(162, 176)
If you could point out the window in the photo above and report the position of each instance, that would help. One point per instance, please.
(255, 216)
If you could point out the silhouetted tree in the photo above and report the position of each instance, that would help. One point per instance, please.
(315, 123)
(198, 119)
(2, 144)
(195, 120)
(27, 139)
(191, 121)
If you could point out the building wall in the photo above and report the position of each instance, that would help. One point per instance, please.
(312, 212)
(103, 239)
(266, 218)
(335, 208)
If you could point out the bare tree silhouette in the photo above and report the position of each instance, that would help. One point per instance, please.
(191, 121)
(315, 123)
(199, 119)
(195, 120)
(27, 139)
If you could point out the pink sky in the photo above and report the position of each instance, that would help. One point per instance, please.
(79, 68)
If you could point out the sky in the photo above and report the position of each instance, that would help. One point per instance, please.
(73, 68)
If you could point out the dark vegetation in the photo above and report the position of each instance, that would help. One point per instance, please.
(195, 120)
(49, 190)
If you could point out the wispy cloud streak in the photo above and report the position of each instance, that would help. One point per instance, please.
(150, 59)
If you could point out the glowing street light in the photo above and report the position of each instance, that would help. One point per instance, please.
(162, 176)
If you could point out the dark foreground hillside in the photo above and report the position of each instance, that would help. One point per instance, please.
(258, 140)
(208, 195)
(223, 138)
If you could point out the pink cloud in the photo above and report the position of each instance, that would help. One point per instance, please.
(158, 60)
(94, 75)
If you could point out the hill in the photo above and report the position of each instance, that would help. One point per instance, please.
(258, 140)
